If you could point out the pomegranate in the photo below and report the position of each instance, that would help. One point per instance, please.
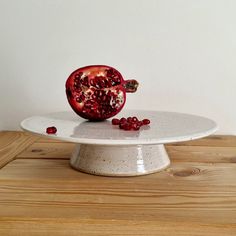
(98, 92)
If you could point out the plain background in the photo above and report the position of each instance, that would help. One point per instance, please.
(183, 53)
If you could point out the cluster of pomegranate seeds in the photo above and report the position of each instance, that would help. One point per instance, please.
(51, 130)
(130, 123)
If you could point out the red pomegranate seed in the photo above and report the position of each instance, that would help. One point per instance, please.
(127, 126)
(146, 122)
(129, 119)
(51, 130)
(140, 123)
(134, 119)
(121, 125)
(136, 126)
(115, 121)
(123, 120)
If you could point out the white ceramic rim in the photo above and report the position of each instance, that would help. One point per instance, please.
(130, 141)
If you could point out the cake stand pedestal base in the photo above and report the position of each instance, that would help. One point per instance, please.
(119, 160)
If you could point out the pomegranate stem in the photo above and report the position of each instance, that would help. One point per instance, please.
(131, 85)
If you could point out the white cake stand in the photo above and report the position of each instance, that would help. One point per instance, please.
(104, 149)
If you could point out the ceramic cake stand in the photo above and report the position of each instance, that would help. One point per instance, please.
(104, 149)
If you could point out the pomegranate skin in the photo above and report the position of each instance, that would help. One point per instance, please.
(98, 92)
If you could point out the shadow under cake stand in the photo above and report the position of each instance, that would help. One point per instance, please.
(104, 149)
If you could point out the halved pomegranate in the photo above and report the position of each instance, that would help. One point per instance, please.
(98, 92)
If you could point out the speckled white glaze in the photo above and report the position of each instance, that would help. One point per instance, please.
(104, 149)
(120, 160)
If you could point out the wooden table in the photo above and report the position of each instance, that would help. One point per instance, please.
(41, 195)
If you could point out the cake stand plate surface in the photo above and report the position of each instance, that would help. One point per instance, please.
(104, 149)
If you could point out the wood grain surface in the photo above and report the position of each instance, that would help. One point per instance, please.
(12, 143)
(41, 195)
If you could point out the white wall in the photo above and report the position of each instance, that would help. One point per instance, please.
(183, 52)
